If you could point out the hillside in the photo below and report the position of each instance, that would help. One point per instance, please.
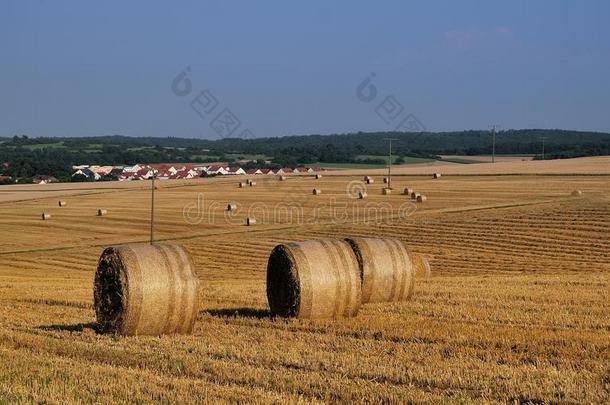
(26, 157)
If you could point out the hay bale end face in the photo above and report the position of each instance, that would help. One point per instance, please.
(436, 175)
(421, 198)
(231, 207)
(62, 203)
(250, 221)
(317, 191)
(414, 195)
(45, 216)
(362, 195)
(408, 191)
(421, 266)
(241, 184)
(576, 193)
(313, 279)
(101, 212)
(146, 290)
(252, 183)
(386, 269)
(318, 176)
(386, 191)
(282, 178)
(370, 181)
(385, 179)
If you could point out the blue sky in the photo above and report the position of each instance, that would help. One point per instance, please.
(73, 68)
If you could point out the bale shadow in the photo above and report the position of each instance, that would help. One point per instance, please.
(76, 327)
(238, 313)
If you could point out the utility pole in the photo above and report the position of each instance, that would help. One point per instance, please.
(390, 162)
(543, 139)
(493, 142)
(152, 208)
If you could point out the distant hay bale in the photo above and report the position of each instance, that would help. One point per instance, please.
(248, 181)
(250, 221)
(282, 178)
(385, 179)
(386, 191)
(252, 183)
(45, 216)
(146, 290)
(436, 175)
(421, 266)
(62, 203)
(576, 193)
(317, 191)
(313, 279)
(414, 195)
(369, 181)
(408, 191)
(362, 195)
(421, 198)
(385, 267)
(101, 212)
(318, 176)
(231, 207)
(241, 184)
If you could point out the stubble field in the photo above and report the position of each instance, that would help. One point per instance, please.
(517, 309)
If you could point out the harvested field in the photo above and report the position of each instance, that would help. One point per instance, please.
(517, 307)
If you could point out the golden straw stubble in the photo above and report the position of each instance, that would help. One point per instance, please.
(386, 269)
(313, 279)
(146, 290)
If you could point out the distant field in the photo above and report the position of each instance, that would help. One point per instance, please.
(44, 145)
(485, 158)
(516, 311)
(588, 165)
(408, 161)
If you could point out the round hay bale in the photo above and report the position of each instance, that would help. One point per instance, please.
(414, 195)
(45, 216)
(318, 176)
(313, 279)
(421, 198)
(421, 266)
(101, 212)
(282, 178)
(385, 267)
(252, 183)
(250, 221)
(362, 195)
(436, 175)
(386, 191)
(231, 207)
(317, 191)
(241, 184)
(62, 203)
(408, 191)
(370, 181)
(576, 193)
(146, 290)
(385, 179)
(367, 178)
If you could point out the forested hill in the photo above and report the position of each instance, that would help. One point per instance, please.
(27, 156)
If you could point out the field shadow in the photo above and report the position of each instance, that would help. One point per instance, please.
(75, 327)
(238, 313)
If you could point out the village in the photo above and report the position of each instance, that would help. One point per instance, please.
(171, 171)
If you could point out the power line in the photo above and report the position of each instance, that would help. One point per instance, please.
(493, 142)
(390, 161)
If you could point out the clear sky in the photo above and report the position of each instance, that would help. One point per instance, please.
(76, 68)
